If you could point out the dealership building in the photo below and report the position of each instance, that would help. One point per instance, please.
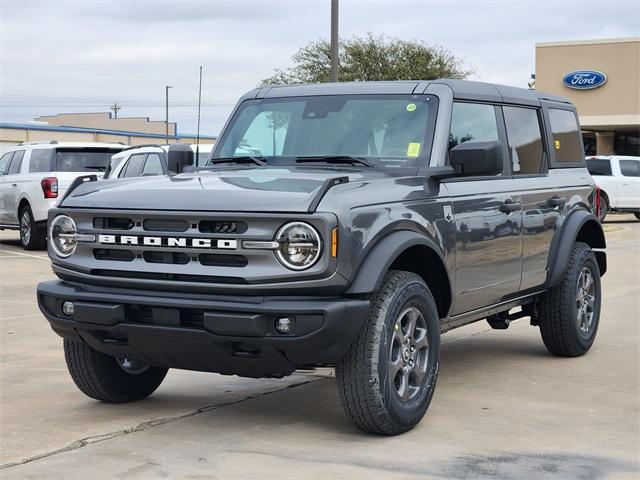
(94, 127)
(602, 79)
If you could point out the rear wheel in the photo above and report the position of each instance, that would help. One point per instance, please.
(388, 376)
(569, 313)
(604, 207)
(32, 235)
(109, 379)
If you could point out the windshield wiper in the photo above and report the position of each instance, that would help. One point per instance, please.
(243, 159)
(334, 159)
(96, 167)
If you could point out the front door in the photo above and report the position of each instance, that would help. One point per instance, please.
(488, 217)
(629, 187)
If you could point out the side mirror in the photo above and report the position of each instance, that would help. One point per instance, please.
(477, 158)
(180, 155)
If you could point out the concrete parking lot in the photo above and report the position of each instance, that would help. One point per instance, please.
(503, 408)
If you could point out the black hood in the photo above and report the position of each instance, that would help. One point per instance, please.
(246, 190)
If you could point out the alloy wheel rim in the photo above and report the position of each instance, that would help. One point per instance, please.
(409, 354)
(25, 227)
(585, 300)
(131, 366)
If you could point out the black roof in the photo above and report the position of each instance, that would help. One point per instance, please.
(462, 90)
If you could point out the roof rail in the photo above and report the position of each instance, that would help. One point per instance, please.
(142, 146)
(50, 142)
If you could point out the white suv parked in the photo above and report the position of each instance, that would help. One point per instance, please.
(148, 160)
(618, 178)
(34, 175)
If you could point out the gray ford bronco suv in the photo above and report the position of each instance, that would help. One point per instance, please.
(344, 225)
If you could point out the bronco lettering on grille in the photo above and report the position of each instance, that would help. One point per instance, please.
(170, 242)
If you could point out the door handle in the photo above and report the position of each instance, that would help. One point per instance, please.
(14, 184)
(509, 206)
(556, 202)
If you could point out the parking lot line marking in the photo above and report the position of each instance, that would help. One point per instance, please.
(23, 254)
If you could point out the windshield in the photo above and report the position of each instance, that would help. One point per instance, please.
(93, 160)
(386, 130)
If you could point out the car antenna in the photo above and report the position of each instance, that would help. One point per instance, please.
(199, 105)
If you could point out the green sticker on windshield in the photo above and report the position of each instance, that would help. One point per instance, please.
(413, 150)
(411, 107)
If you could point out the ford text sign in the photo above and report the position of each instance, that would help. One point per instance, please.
(584, 79)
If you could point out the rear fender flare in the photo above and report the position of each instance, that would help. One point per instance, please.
(564, 240)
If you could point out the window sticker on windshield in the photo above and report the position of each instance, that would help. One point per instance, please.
(413, 150)
(557, 144)
(411, 107)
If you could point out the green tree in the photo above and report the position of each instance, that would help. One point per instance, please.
(372, 57)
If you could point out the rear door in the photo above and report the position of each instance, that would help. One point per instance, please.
(5, 187)
(488, 217)
(629, 188)
(541, 201)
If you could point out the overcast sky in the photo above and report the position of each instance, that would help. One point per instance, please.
(66, 55)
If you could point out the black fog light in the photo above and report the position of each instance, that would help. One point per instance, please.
(68, 308)
(283, 325)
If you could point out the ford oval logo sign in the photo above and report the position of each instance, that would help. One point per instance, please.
(584, 79)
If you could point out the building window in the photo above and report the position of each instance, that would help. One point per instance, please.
(589, 142)
(628, 143)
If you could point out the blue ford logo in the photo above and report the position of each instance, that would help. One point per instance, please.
(584, 79)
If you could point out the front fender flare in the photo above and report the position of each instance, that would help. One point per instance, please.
(378, 261)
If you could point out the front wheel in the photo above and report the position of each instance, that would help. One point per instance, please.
(109, 379)
(388, 376)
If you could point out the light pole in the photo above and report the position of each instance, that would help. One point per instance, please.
(334, 40)
(166, 113)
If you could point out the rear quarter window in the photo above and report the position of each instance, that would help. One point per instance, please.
(567, 138)
(41, 160)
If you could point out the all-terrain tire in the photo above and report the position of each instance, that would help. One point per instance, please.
(566, 330)
(369, 394)
(100, 376)
(32, 235)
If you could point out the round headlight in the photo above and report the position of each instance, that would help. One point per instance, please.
(62, 235)
(300, 245)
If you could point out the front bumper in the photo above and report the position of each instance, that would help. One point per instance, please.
(225, 334)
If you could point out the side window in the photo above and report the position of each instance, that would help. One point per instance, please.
(133, 166)
(630, 168)
(599, 166)
(5, 160)
(525, 140)
(472, 121)
(16, 163)
(40, 160)
(153, 165)
(567, 139)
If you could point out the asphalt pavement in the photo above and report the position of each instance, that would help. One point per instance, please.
(503, 408)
